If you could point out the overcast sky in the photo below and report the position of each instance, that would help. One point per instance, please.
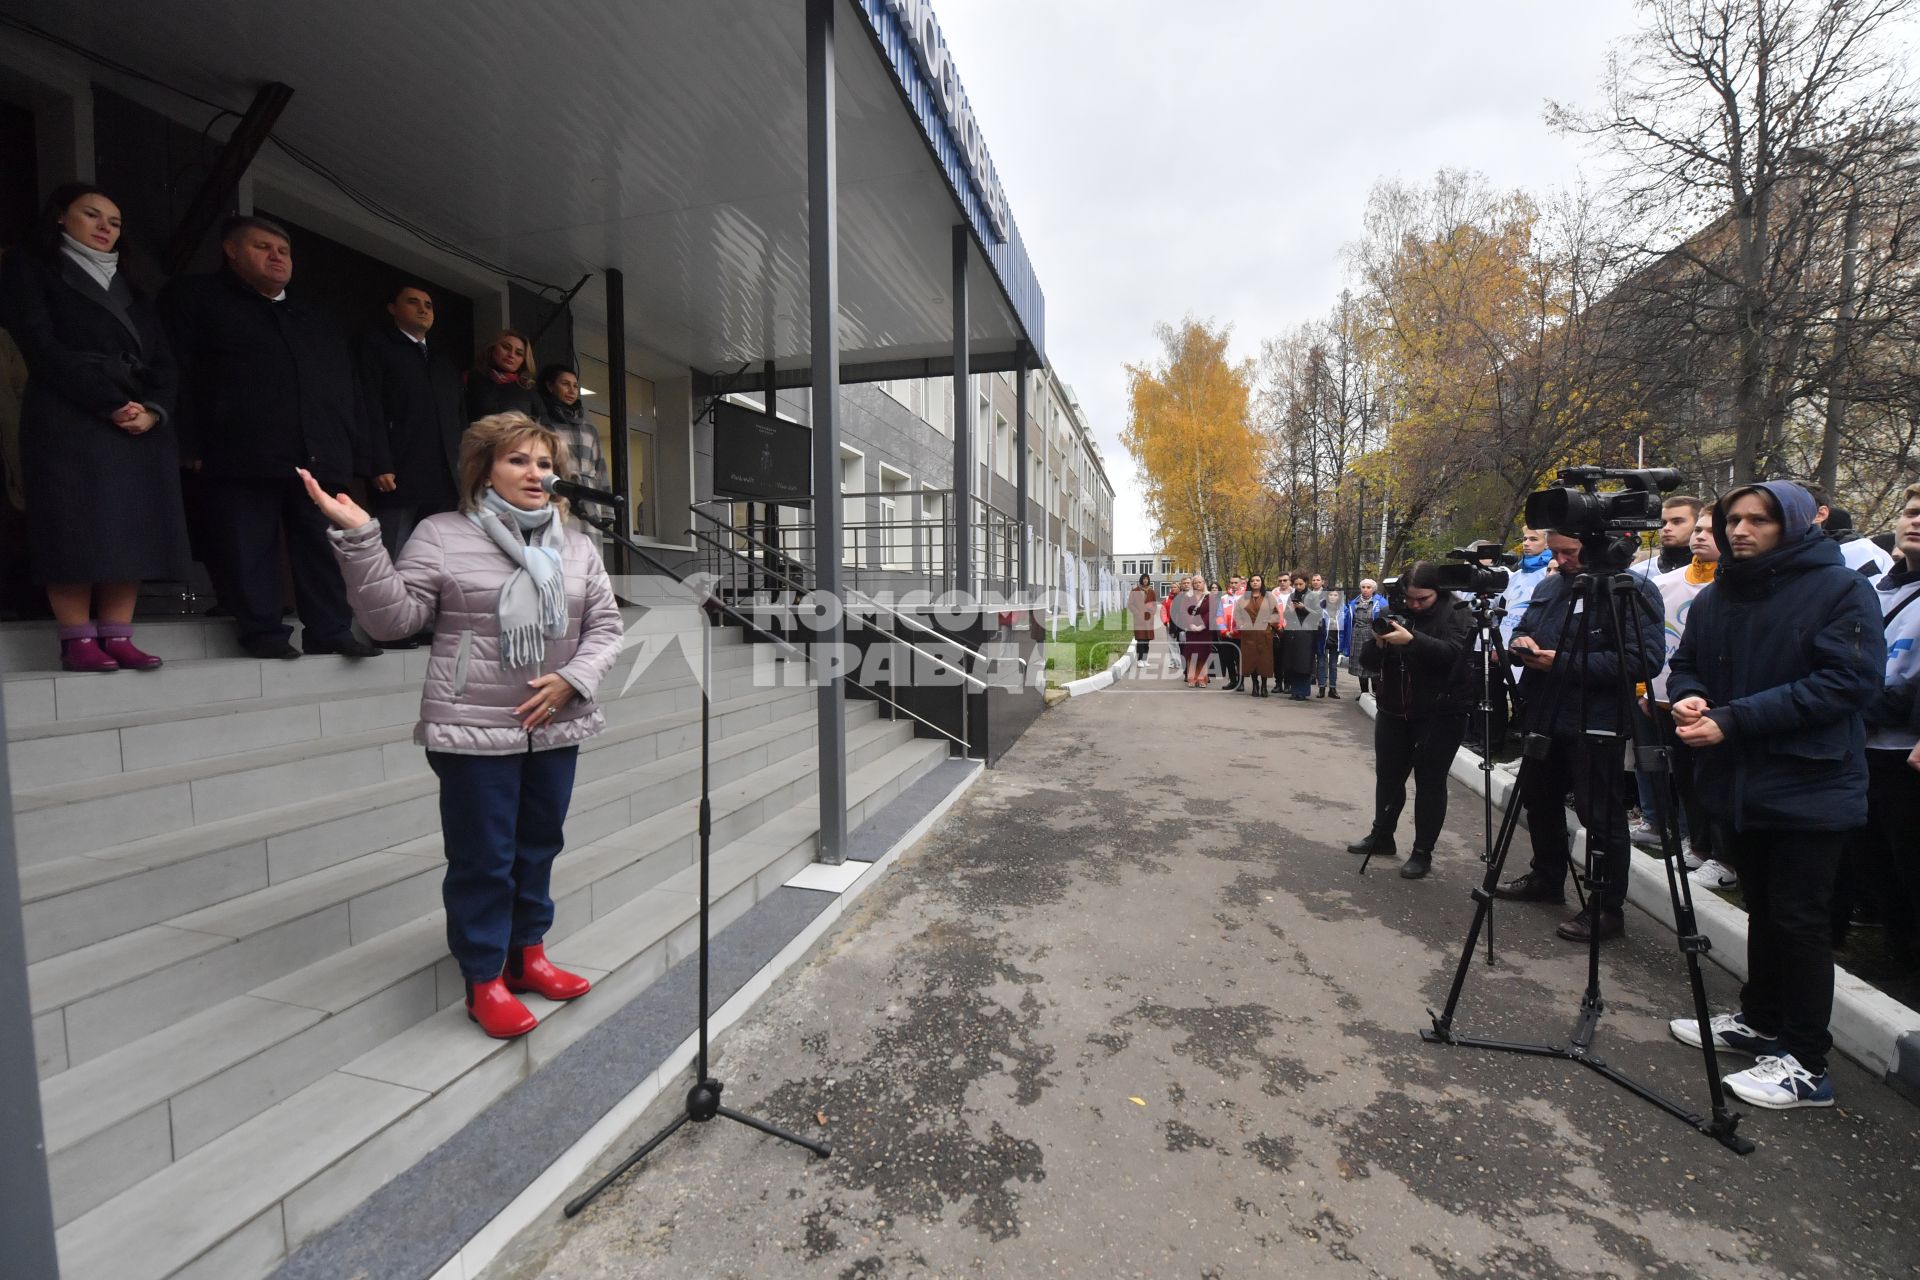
(1213, 157)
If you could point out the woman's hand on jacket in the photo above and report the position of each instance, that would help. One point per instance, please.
(342, 510)
(550, 693)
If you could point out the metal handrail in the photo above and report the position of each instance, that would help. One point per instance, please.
(895, 614)
(800, 589)
(768, 636)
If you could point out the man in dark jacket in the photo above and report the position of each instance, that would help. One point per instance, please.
(1782, 655)
(267, 385)
(414, 403)
(1424, 689)
(1575, 670)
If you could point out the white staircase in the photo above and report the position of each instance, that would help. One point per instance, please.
(243, 1007)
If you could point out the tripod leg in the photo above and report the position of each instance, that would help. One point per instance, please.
(818, 1148)
(588, 1196)
(1482, 914)
(1693, 945)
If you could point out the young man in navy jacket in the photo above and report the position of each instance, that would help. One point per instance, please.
(1782, 655)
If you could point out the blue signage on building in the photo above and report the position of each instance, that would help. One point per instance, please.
(929, 47)
(916, 52)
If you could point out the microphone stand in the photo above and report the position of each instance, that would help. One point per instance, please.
(703, 1099)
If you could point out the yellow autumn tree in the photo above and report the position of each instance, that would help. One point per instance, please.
(1493, 356)
(1192, 437)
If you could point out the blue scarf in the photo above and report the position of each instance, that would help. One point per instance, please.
(1532, 563)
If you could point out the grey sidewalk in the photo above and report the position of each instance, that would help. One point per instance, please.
(1131, 1013)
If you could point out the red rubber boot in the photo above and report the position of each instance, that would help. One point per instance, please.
(528, 969)
(499, 1014)
(116, 641)
(80, 650)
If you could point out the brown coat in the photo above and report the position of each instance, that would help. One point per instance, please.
(1143, 607)
(1256, 634)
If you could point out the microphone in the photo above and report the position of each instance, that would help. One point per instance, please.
(574, 492)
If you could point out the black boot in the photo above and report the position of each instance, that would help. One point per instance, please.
(1419, 862)
(1375, 844)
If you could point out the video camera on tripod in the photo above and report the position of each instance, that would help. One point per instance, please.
(1615, 614)
(1608, 523)
(1481, 571)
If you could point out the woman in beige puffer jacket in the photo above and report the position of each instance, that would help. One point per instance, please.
(524, 629)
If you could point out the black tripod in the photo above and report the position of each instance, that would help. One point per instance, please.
(1490, 646)
(1605, 598)
(703, 1099)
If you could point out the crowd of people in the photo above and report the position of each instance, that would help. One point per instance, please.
(1773, 651)
(164, 430)
(1298, 634)
(1763, 642)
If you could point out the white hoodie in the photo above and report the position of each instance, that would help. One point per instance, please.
(1903, 656)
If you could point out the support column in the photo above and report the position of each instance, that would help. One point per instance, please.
(823, 286)
(26, 1201)
(963, 578)
(616, 286)
(1022, 530)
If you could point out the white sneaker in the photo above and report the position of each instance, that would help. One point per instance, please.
(1691, 860)
(1731, 1034)
(1781, 1084)
(1639, 831)
(1714, 874)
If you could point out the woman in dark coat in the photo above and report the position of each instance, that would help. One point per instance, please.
(501, 381)
(98, 450)
(1302, 617)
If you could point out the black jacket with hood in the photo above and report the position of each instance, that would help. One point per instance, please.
(1787, 649)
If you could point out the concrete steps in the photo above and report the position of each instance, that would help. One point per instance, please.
(30, 646)
(230, 872)
(374, 861)
(363, 740)
(102, 1110)
(100, 893)
(375, 1098)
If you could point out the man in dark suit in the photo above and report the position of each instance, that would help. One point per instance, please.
(267, 384)
(414, 404)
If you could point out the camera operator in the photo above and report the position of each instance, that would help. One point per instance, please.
(1425, 683)
(1587, 699)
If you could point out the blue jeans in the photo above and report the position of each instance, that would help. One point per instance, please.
(1326, 663)
(501, 818)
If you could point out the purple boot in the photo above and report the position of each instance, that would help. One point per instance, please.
(116, 641)
(80, 651)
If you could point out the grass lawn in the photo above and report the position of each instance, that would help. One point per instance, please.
(1087, 648)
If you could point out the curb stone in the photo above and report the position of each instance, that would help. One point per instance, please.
(1100, 679)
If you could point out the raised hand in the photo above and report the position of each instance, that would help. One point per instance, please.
(342, 510)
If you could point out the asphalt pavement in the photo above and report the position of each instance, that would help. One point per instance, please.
(1130, 1012)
